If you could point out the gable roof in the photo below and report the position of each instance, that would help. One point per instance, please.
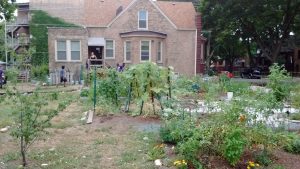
(182, 14)
(102, 12)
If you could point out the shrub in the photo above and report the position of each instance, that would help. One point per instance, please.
(293, 146)
(234, 145)
(39, 72)
(157, 152)
(279, 82)
(176, 130)
(263, 157)
(84, 93)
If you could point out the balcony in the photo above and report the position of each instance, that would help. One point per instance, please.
(18, 42)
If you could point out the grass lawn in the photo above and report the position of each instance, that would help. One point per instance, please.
(117, 141)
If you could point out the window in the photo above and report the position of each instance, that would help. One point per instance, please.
(68, 50)
(145, 50)
(159, 52)
(61, 50)
(75, 50)
(109, 51)
(127, 51)
(143, 19)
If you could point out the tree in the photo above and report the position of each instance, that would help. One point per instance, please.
(267, 23)
(32, 120)
(7, 8)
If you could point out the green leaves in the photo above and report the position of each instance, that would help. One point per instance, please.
(7, 8)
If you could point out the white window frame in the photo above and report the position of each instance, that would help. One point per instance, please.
(56, 50)
(125, 52)
(68, 50)
(141, 50)
(70, 41)
(146, 20)
(114, 49)
(161, 52)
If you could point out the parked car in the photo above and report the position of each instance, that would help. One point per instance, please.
(251, 73)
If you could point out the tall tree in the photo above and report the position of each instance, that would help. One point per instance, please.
(7, 8)
(264, 22)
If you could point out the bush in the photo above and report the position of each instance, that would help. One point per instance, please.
(293, 146)
(279, 82)
(39, 72)
(12, 74)
(263, 157)
(234, 145)
(176, 130)
(84, 93)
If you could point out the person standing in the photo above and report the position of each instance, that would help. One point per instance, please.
(63, 78)
(1, 77)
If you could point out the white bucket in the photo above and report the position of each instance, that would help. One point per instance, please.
(229, 95)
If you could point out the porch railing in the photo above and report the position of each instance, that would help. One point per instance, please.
(96, 62)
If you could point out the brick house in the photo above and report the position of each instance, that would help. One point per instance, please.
(124, 31)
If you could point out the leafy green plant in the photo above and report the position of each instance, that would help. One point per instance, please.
(234, 145)
(54, 96)
(39, 72)
(157, 152)
(263, 157)
(279, 82)
(84, 93)
(176, 130)
(293, 146)
(32, 120)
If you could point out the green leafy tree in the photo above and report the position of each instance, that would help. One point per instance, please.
(7, 8)
(266, 23)
(31, 121)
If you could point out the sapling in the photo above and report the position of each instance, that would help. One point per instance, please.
(31, 121)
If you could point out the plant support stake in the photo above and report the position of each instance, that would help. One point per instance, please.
(95, 89)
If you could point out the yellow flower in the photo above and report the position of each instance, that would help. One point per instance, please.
(248, 167)
(257, 165)
(252, 165)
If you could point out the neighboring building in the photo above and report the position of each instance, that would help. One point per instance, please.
(129, 31)
(18, 30)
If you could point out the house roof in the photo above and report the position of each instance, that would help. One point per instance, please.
(182, 14)
(102, 12)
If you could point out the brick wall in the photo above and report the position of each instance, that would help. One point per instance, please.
(179, 50)
(67, 34)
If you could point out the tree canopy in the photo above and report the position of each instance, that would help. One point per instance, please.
(7, 8)
(267, 23)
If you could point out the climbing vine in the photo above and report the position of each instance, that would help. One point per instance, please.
(38, 28)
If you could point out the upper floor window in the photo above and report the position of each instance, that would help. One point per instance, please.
(110, 49)
(143, 19)
(145, 50)
(127, 51)
(68, 50)
(159, 52)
